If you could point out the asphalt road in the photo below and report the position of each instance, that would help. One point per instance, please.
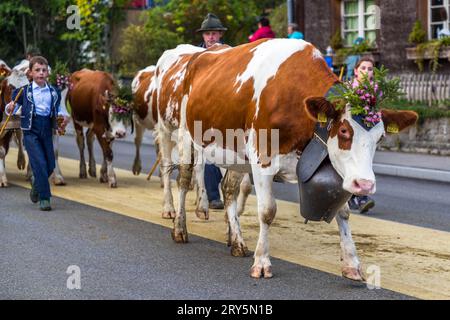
(124, 258)
(411, 201)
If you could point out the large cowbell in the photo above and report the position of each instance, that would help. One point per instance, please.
(320, 186)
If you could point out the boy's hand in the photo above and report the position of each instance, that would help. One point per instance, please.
(9, 107)
(62, 123)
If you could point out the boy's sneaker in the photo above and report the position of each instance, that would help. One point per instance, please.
(34, 195)
(216, 204)
(44, 205)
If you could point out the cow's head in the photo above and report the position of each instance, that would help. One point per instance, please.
(119, 115)
(351, 145)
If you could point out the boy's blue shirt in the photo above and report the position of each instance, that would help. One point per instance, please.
(26, 101)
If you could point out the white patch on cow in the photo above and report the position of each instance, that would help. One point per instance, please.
(218, 51)
(84, 124)
(317, 54)
(3, 179)
(118, 127)
(3, 63)
(356, 163)
(167, 60)
(179, 76)
(18, 77)
(266, 60)
(135, 83)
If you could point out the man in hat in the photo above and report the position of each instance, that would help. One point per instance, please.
(212, 31)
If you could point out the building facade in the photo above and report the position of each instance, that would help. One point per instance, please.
(386, 23)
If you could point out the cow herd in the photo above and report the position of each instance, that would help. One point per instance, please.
(250, 109)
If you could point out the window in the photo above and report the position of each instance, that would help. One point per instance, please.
(359, 19)
(438, 17)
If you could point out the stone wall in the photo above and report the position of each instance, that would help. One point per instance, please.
(430, 137)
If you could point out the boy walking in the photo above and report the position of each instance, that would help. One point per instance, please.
(39, 106)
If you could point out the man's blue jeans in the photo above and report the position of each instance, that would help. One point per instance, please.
(39, 145)
(213, 176)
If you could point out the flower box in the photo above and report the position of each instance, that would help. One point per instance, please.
(413, 54)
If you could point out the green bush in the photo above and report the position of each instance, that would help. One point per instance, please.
(438, 110)
(278, 21)
(418, 34)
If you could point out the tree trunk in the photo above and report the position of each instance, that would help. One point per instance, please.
(24, 34)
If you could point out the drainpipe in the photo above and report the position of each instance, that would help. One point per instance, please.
(290, 11)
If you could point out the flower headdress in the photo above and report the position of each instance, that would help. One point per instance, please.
(367, 97)
(121, 110)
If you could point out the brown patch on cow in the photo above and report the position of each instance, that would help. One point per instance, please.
(282, 101)
(87, 98)
(401, 118)
(142, 96)
(344, 131)
(214, 99)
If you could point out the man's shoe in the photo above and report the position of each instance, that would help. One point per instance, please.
(44, 205)
(365, 204)
(353, 203)
(216, 204)
(34, 195)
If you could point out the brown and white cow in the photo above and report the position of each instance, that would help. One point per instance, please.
(143, 117)
(268, 86)
(13, 128)
(90, 98)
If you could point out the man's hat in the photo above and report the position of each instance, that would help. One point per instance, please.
(211, 23)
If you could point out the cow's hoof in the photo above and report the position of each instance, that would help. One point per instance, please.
(92, 173)
(137, 169)
(59, 182)
(21, 164)
(256, 272)
(268, 272)
(169, 214)
(239, 250)
(3, 184)
(353, 274)
(83, 175)
(103, 179)
(113, 184)
(202, 214)
(179, 236)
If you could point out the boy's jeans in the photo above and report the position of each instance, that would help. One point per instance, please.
(39, 145)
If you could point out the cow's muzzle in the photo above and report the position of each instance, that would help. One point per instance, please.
(363, 187)
(119, 134)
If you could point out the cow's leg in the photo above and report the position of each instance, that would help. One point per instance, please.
(137, 165)
(186, 152)
(267, 209)
(202, 198)
(80, 143)
(107, 173)
(230, 190)
(244, 190)
(57, 177)
(90, 137)
(4, 146)
(166, 147)
(351, 266)
(21, 163)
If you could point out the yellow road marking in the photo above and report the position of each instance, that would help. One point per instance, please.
(413, 260)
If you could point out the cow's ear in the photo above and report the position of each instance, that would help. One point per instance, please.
(395, 121)
(320, 109)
